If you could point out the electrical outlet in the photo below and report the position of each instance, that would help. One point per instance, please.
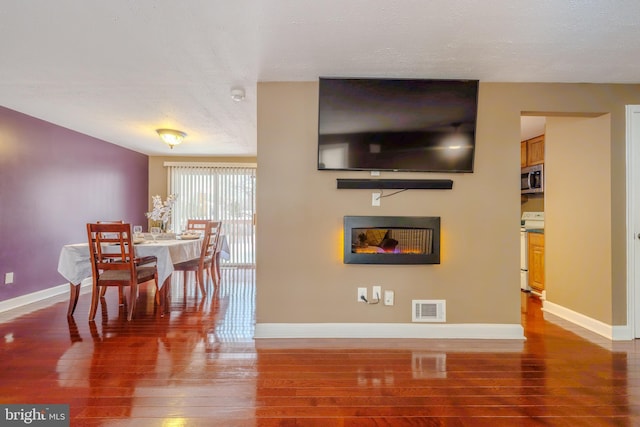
(375, 199)
(362, 292)
(8, 278)
(376, 293)
(388, 297)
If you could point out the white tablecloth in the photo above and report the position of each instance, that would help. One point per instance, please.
(74, 263)
(225, 253)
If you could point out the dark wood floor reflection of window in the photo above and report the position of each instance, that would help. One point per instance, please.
(199, 366)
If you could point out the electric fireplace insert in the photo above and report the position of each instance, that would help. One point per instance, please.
(391, 240)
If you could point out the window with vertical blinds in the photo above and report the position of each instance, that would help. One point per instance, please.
(221, 192)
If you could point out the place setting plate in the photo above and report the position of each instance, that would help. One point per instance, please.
(189, 236)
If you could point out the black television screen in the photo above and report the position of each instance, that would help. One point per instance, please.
(416, 125)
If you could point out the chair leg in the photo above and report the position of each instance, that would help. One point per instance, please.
(215, 282)
(218, 266)
(196, 285)
(104, 312)
(165, 296)
(95, 296)
(74, 295)
(214, 276)
(157, 293)
(215, 272)
(185, 282)
(103, 291)
(132, 300)
(207, 273)
(184, 285)
(200, 280)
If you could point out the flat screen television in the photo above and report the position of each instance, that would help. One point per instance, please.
(413, 125)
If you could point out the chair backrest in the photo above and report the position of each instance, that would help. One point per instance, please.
(210, 239)
(110, 222)
(218, 239)
(197, 224)
(110, 248)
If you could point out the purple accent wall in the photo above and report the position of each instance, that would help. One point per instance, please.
(53, 181)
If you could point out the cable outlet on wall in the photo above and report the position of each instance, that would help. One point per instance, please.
(388, 297)
(362, 292)
(8, 278)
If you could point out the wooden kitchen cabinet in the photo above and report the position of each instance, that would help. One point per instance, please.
(532, 151)
(536, 261)
(523, 154)
(535, 151)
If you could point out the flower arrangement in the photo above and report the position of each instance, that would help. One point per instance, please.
(162, 210)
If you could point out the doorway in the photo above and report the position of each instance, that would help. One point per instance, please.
(532, 135)
(633, 220)
(578, 221)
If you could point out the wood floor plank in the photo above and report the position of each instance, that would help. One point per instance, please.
(200, 366)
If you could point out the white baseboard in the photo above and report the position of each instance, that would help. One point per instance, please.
(36, 297)
(622, 333)
(389, 330)
(614, 333)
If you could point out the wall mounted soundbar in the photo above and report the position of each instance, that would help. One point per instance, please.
(399, 184)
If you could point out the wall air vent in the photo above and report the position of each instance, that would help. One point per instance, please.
(429, 310)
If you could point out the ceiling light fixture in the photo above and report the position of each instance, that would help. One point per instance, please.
(171, 137)
(237, 94)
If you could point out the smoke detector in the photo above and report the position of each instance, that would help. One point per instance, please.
(237, 94)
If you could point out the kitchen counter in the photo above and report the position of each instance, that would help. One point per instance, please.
(536, 230)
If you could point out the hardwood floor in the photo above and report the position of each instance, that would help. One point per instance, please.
(199, 366)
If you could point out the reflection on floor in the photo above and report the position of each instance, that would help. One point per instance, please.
(200, 366)
(232, 305)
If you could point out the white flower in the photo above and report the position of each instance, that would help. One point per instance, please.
(161, 210)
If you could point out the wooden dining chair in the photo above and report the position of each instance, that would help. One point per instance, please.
(113, 263)
(104, 289)
(206, 260)
(197, 224)
(214, 269)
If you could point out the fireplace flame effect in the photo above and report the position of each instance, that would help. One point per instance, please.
(377, 250)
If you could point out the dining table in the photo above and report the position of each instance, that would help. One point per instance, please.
(74, 263)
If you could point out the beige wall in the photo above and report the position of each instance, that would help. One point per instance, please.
(300, 274)
(578, 215)
(303, 279)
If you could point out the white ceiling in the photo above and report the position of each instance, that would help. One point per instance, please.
(119, 69)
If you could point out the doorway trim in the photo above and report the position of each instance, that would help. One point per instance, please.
(632, 329)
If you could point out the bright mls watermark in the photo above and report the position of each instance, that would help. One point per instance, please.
(34, 415)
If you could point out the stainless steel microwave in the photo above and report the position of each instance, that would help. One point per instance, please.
(532, 179)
